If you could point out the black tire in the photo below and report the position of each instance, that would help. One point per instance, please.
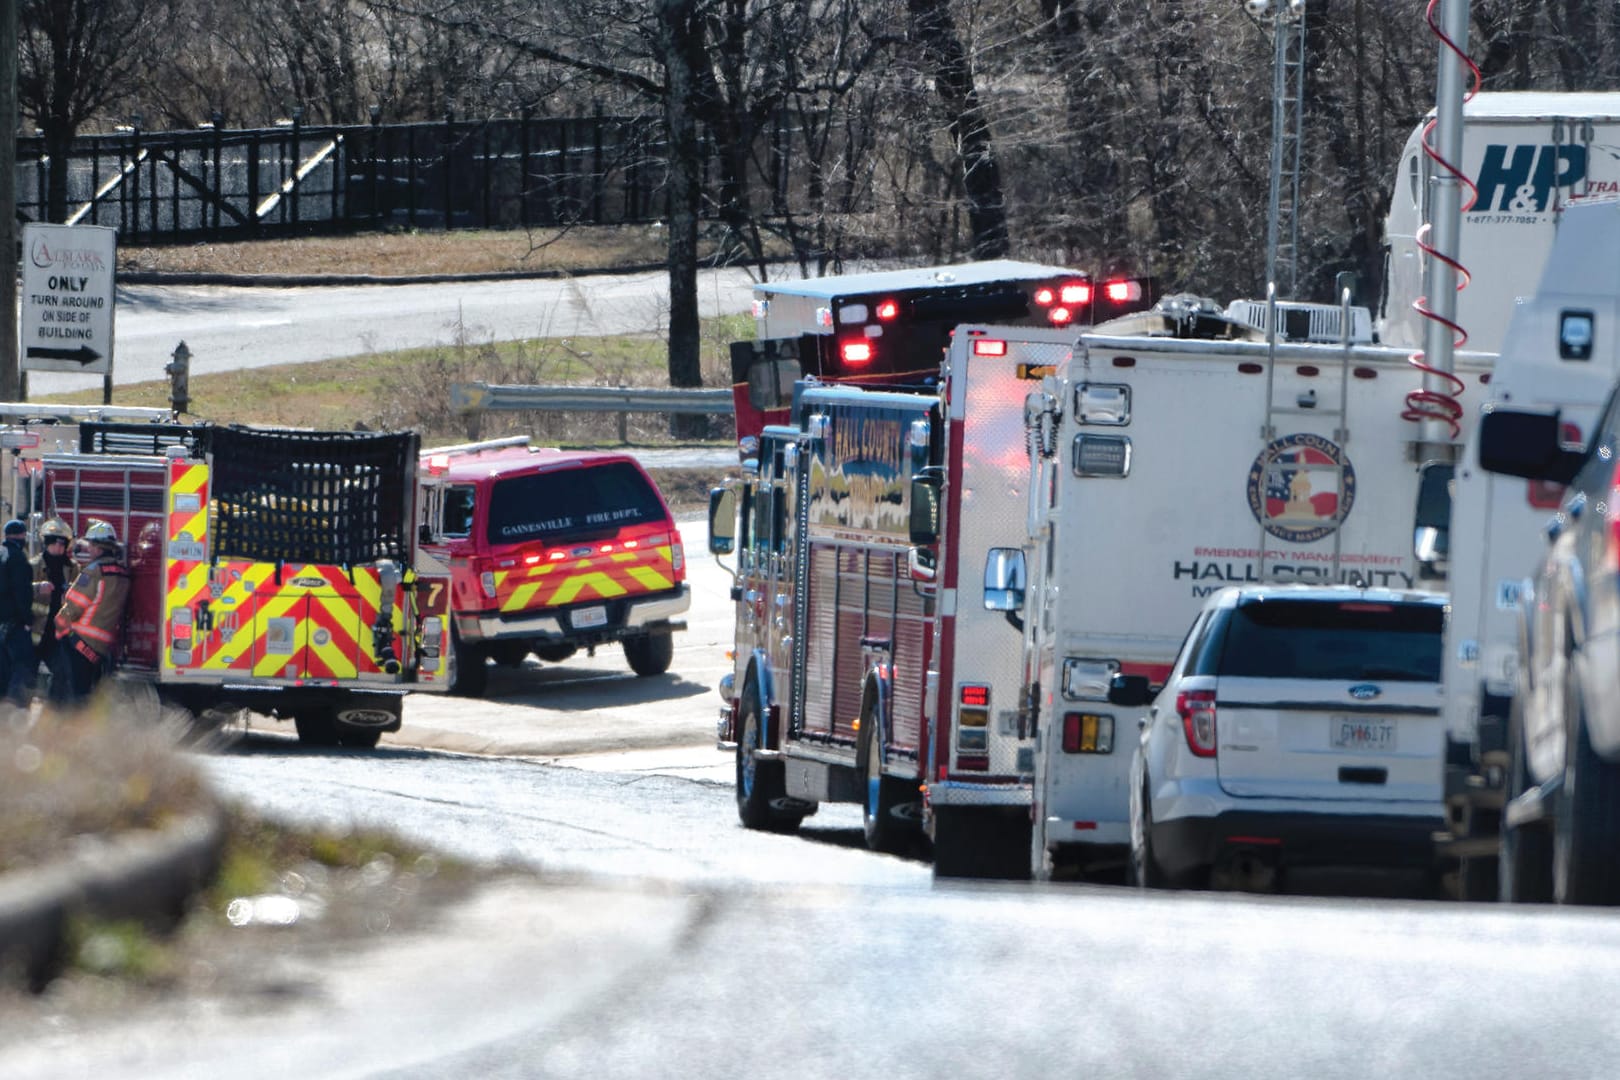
(509, 653)
(972, 842)
(650, 654)
(555, 653)
(1586, 835)
(358, 738)
(759, 783)
(469, 670)
(1525, 875)
(1141, 869)
(316, 727)
(884, 832)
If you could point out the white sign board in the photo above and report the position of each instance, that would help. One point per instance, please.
(67, 298)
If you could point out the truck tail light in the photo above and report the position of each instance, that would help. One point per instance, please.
(1123, 292)
(1060, 316)
(180, 634)
(973, 720)
(856, 352)
(1197, 711)
(432, 643)
(487, 580)
(1075, 293)
(1088, 733)
(887, 310)
(989, 347)
(677, 555)
(1044, 296)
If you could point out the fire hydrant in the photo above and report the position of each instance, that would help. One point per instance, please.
(179, 372)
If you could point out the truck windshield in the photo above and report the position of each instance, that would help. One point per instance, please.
(1298, 639)
(568, 504)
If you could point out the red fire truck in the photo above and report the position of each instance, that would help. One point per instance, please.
(892, 327)
(871, 666)
(270, 569)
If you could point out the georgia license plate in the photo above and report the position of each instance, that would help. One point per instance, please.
(1361, 735)
(587, 617)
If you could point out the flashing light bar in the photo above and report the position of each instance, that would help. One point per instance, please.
(989, 347)
(856, 352)
(1123, 292)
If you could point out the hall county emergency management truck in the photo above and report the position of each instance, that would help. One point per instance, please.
(1164, 468)
(869, 667)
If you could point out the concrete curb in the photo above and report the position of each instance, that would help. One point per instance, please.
(147, 876)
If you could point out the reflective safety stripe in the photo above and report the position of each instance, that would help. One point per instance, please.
(593, 578)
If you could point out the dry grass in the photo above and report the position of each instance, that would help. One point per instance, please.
(408, 252)
(63, 776)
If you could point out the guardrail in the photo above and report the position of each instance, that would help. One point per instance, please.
(479, 397)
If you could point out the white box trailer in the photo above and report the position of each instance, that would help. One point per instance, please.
(1528, 155)
(1167, 469)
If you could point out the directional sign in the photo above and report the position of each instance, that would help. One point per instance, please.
(67, 298)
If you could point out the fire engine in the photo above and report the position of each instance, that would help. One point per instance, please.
(869, 665)
(1194, 452)
(892, 327)
(270, 569)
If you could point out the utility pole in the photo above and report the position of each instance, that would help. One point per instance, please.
(9, 390)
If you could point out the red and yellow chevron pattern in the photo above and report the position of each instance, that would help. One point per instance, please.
(596, 576)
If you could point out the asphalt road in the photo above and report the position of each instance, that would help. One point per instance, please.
(228, 328)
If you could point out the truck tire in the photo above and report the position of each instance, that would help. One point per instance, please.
(974, 842)
(884, 832)
(555, 652)
(650, 654)
(509, 653)
(317, 726)
(469, 670)
(1525, 874)
(1586, 835)
(759, 783)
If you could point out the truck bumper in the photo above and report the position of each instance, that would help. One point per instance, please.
(626, 618)
(959, 793)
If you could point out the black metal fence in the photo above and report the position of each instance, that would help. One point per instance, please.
(157, 187)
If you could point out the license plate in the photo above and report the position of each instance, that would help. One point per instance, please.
(587, 617)
(1361, 735)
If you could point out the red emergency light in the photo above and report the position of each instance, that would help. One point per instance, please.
(1060, 316)
(856, 352)
(1123, 292)
(1075, 293)
(976, 695)
(887, 310)
(1044, 296)
(989, 347)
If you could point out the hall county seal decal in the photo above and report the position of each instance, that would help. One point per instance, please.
(1301, 487)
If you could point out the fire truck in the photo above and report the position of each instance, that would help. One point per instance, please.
(892, 327)
(870, 666)
(1171, 455)
(270, 569)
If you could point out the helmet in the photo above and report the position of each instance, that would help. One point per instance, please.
(16, 527)
(100, 532)
(55, 529)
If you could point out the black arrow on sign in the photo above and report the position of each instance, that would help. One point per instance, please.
(83, 355)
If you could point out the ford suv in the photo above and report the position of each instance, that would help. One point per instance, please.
(551, 551)
(1300, 725)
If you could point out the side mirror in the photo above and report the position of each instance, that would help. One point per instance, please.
(1004, 580)
(722, 520)
(924, 519)
(1130, 691)
(1431, 523)
(1526, 444)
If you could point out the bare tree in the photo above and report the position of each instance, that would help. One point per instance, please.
(80, 61)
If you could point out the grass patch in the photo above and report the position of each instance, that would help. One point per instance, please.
(410, 389)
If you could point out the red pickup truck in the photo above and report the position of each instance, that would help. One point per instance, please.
(553, 550)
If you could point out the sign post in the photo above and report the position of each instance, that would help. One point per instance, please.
(67, 301)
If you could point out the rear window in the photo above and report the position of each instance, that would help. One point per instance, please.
(1294, 639)
(570, 504)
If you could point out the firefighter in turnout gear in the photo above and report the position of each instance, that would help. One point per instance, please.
(91, 620)
(52, 572)
(17, 667)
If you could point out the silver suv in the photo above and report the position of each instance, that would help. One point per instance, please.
(1299, 725)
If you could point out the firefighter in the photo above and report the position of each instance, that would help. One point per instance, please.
(91, 619)
(51, 576)
(16, 608)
